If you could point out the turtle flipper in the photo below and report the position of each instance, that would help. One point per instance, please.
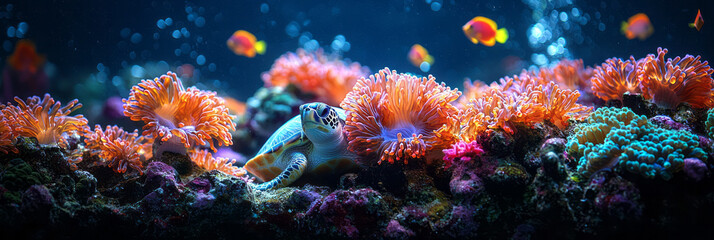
(295, 169)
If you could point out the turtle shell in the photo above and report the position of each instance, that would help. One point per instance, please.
(263, 165)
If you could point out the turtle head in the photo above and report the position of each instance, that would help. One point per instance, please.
(320, 122)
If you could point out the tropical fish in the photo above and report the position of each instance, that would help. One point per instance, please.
(484, 30)
(698, 21)
(637, 26)
(24, 74)
(245, 44)
(25, 57)
(418, 55)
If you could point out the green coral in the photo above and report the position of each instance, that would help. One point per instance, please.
(617, 137)
(709, 124)
(19, 176)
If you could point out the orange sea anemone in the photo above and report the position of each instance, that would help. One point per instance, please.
(561, 104)
(526, 98)
(474, 90)
(400, 116)
(616, 77)
(570, 74)
(500, 109)
(677, 80)
(522, 83)
(191, 116)
(314, 73)
(45, 119)
(118, 149)
(204, 159)
(7, 139)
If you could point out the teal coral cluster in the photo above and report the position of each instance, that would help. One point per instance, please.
(709, 124)
(617, 137)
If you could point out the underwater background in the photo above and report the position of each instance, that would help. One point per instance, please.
(462, 119)
(89, 43)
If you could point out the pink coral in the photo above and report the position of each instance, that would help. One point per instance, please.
(328, 79)
(191, 115)
(400, 116)
(461, 150)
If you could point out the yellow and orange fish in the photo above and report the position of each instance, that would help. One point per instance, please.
(245, 44)
(638, 26)
(698, 21)
(484, 30)
(418, 55)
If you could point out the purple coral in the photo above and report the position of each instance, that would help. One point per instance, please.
(159, 174)
(616, 197)
(395, 230)
(349, 210)
(461, 223)
(695, 169)
(461, 150)
(667, 123)
(37, 202)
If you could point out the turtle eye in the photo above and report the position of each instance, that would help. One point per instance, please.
(324, 112)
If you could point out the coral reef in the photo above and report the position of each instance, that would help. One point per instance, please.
(329, 80)
(400, 116)
(620, 138)
(709, 123)
(513, 159)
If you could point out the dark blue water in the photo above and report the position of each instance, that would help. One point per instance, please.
(89, 43)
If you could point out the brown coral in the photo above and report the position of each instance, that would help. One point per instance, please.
(400, 116)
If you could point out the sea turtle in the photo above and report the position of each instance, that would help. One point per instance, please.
(312, 142)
